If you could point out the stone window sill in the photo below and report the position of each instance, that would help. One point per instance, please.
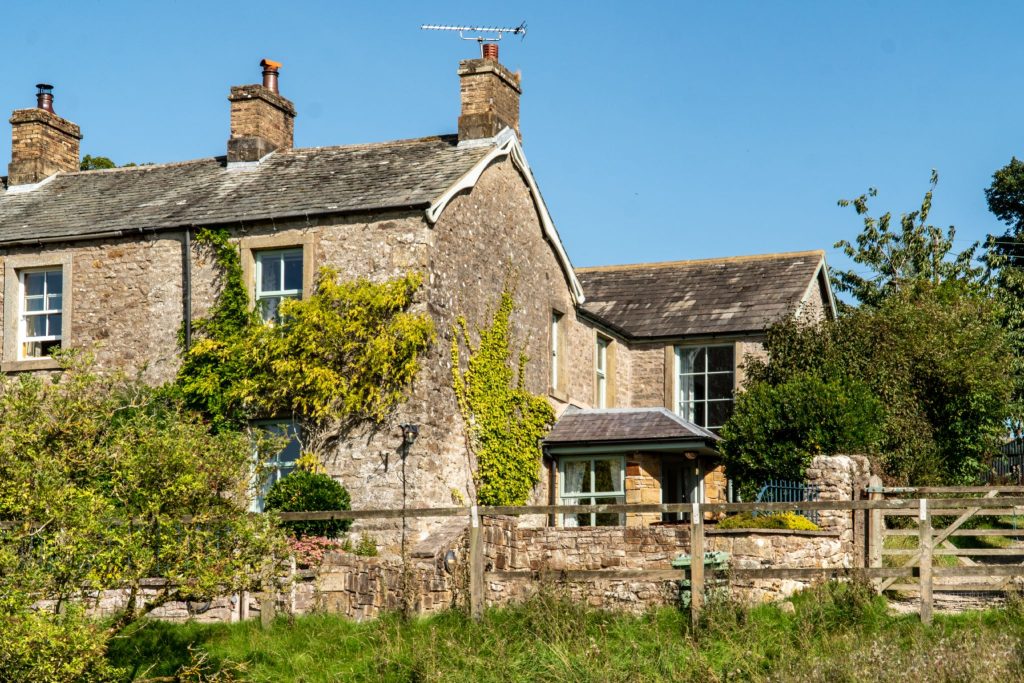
(28, 365)
(559, 395)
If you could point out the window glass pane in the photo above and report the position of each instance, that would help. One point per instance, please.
(293, 270)
(34, 283)
(269, 306)
(606, 475)
(720, 386)
(34, 303)
(698, 414)
(720, 358)
(270, 273)
(35, 326)
(577, 477)
(54, 282)
(608, 518)
(718, 412)
(53, 325)
(692, 359)
(686, 411)
(32, 350)
(55, 302)
(699, 387)
(686, 388)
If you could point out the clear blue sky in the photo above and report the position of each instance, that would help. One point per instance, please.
(657, 131)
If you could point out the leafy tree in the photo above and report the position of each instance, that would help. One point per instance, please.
(305, 491)
(91, 163)
(105, 483)
(897, 259)
(776, 429)
(935, 357)
(504, 421)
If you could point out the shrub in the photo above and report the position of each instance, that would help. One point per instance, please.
(309, 551)
(776, 430)
(782, 520)
(53, 648)
(303, 491)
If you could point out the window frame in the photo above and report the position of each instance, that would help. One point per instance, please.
(24, 314)
(271, 474)
(602, 370)
(677, 400)
(288, 239)
(574, 498)
(14, 265)
(279, 256)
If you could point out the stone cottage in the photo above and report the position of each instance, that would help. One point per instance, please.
(105, 260)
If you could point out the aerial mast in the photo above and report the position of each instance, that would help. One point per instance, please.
(485, 35)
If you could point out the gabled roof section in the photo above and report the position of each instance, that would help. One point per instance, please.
(286, 184)
(507, 146)
(624, 425)
(706, 297)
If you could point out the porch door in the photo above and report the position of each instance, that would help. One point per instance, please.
(681, 483)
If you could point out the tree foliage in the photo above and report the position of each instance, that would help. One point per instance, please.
(777, 429)
(914, 253)
(505, 422)
(344, 355)
(109, 483)
(935, 357)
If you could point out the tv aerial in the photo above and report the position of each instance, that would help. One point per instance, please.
(483, 35)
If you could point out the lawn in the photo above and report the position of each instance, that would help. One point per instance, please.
(836, 632)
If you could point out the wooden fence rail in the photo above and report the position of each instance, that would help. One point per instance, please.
(876, 507)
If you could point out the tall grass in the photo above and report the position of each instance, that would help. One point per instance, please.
(835, 633)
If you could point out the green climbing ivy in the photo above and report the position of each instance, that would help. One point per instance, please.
(505, 422)
(344, 355)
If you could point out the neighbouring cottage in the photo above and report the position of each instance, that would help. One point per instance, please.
(640, 362)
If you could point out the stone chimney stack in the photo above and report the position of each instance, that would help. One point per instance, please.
(261, 120)
(490, 96)
(42, 143)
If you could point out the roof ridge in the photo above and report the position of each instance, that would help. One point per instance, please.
(297, 150)
(146, 166)
(719, 259)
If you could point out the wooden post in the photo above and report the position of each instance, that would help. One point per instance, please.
(267, 606)
(859, 517)
(876, 531)
(476, 565)
(926, 546)
(696, 564)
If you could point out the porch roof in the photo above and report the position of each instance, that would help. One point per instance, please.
(629, 428)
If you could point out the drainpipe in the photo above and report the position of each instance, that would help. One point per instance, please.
(186, 286)
(552, 498)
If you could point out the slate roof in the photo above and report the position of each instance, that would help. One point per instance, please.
(297, 182)
(713, 296)
(613, 425)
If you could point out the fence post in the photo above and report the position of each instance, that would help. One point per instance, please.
(876, 532)
(925, 542)
(476, 565)
(696, 564)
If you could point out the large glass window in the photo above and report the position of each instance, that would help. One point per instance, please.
(278, 465)
(278, 277)
(706, 377)
(601, 372)
(41, 312)
(599, 480)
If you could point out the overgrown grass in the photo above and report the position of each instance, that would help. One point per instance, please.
(836, 633)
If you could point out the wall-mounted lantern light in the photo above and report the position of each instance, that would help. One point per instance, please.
(409, 433)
